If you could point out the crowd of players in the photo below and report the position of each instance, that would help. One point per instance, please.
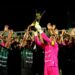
(32, 58)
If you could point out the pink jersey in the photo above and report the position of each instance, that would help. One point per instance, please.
(51, 52)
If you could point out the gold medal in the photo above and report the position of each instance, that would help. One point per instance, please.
(52, 43)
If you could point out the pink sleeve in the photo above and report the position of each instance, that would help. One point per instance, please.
(44, 36)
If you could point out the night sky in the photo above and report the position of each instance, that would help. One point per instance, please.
(19, 16)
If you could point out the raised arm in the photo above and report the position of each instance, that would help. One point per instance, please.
(44, 36)
(36, 39)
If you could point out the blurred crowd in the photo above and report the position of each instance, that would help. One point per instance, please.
(8, 36)
(32, 56)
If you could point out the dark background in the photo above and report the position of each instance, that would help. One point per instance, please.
(19, 16)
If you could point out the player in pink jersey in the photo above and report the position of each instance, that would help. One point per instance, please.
(51, 52)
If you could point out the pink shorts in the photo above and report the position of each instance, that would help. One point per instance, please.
(51, 70)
